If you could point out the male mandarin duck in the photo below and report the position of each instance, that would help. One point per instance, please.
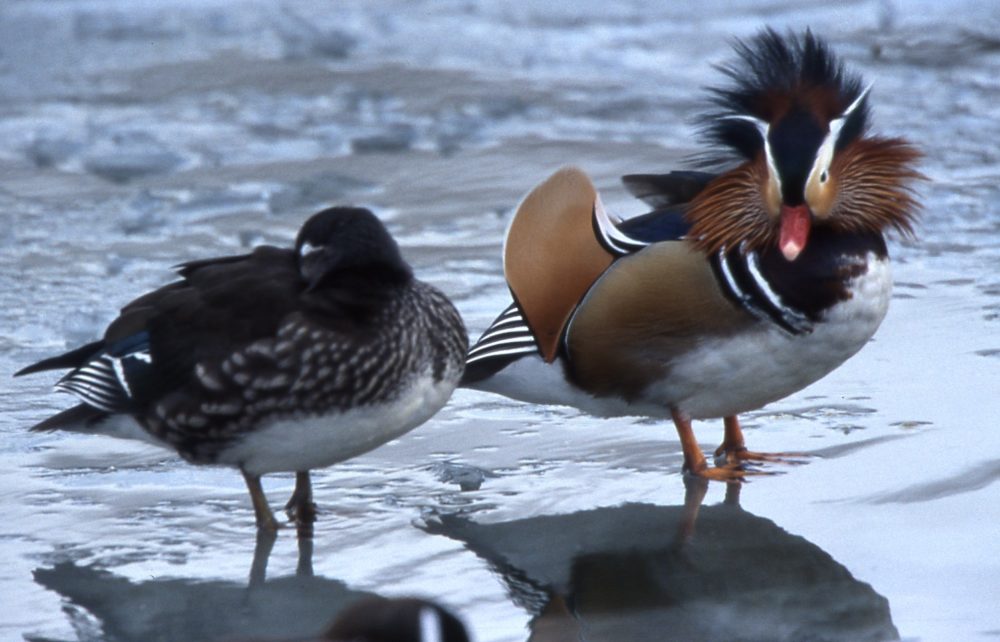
(277, 360)
(740, 288)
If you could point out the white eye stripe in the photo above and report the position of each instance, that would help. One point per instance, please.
(838, 123)
(824, 155)
(772, 167)
(764, 128)
(857, 103)
(762, 125)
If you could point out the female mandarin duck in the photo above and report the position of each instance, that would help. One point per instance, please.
(284, 359)
(741, 288)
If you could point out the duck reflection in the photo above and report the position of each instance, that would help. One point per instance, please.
(293, 608)
(640, 572)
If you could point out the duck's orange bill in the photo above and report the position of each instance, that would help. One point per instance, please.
(794, 232)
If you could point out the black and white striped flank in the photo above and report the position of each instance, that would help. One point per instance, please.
(508, 336)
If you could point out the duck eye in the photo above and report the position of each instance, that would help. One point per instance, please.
(823, 177)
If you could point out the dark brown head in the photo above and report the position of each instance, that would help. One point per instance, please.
(348, 243)
(349, 263)
(796, 123)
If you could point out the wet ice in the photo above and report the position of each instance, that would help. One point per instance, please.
(139, 135)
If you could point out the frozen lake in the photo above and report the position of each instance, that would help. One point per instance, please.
(135, 135)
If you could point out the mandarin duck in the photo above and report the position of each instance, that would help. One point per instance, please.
(277, 360)
(741, 287)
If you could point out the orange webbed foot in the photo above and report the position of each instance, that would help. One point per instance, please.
(739, 456)
(733, 451)
(726, 472)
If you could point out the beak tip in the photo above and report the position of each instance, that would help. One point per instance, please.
(791, 251)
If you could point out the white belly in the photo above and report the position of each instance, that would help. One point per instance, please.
(320, 441)
(726, 375)
(531, 379)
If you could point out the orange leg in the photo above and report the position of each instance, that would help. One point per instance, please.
(694, 460)
(733, 450)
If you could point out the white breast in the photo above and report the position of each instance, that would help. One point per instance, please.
(319, 441)
(729, 375)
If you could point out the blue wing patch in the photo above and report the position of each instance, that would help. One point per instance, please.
(658, 225)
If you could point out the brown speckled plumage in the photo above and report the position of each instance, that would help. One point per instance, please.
(268, 343)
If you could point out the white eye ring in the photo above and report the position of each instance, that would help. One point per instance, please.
(823, 177)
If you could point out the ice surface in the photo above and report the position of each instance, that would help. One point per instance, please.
(137, 135)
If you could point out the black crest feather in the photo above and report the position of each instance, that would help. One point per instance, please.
(772, 75)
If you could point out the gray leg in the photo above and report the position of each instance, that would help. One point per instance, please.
(261, 510)
(300, 507)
